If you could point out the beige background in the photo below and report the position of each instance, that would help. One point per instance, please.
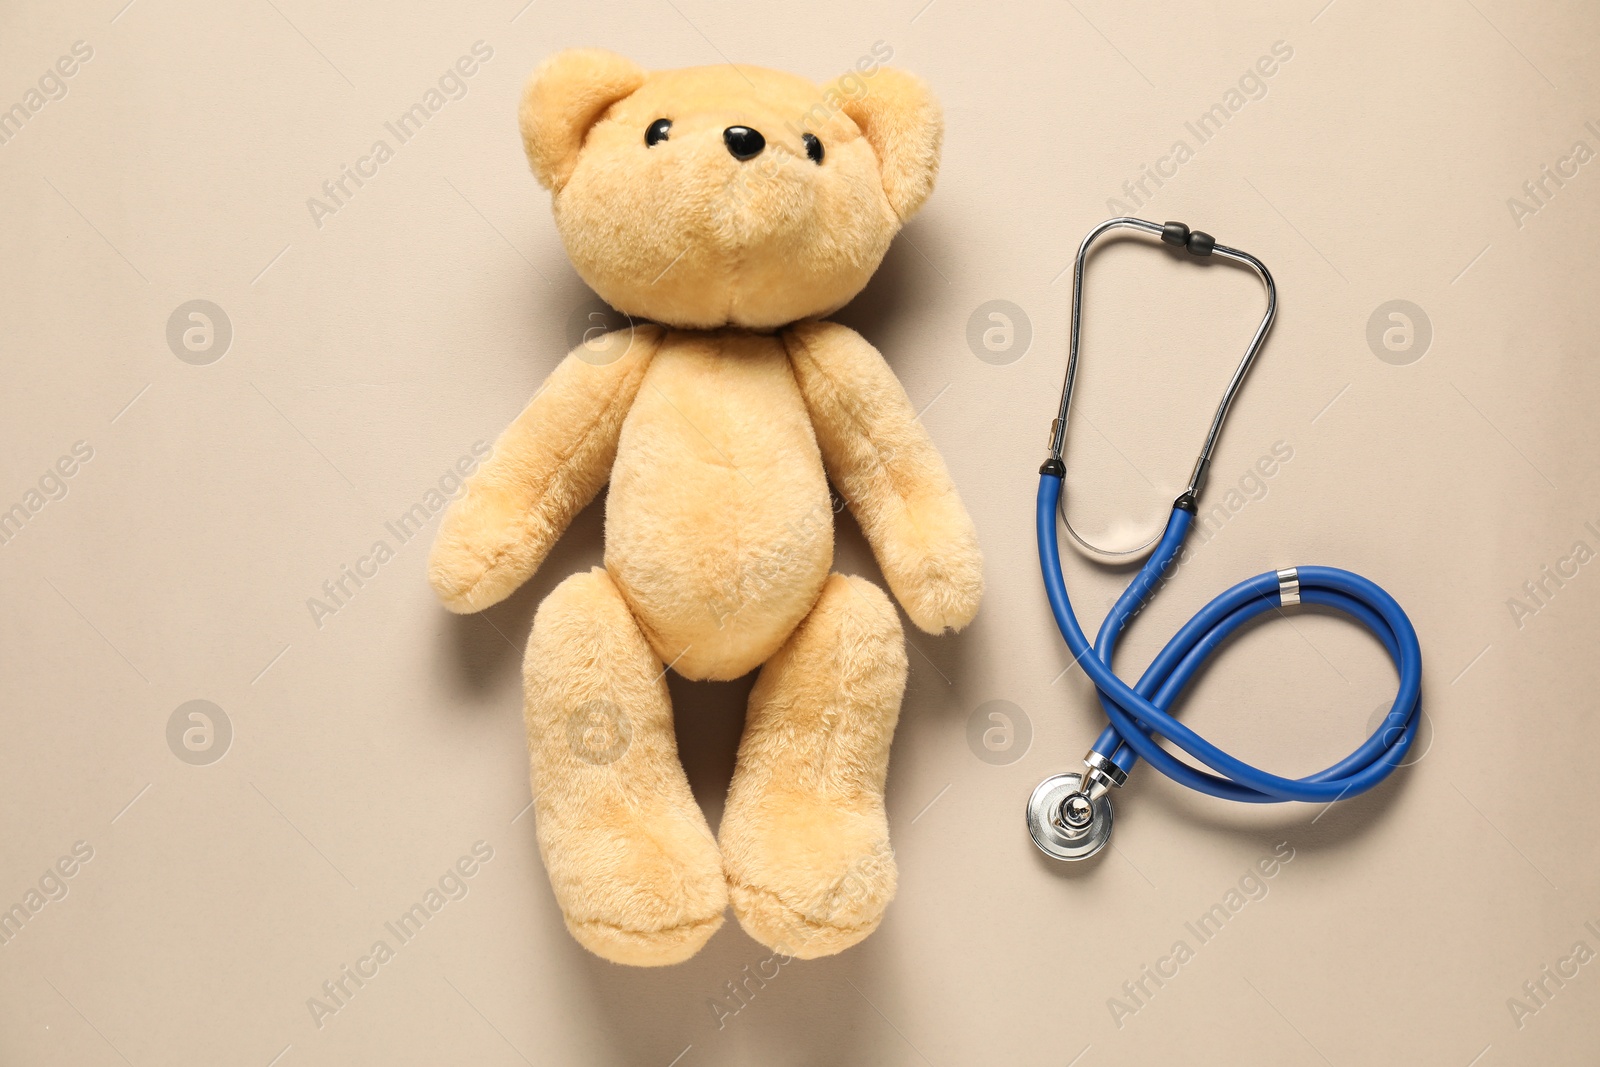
(367, 355)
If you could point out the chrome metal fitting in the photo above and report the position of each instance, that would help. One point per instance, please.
(1289, 586)
(1102, 774)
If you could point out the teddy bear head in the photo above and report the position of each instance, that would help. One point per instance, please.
(727, 196)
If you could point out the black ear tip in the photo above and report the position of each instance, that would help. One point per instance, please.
(1195, 242)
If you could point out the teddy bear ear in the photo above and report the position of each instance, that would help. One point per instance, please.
(564, 98)
(901, 120)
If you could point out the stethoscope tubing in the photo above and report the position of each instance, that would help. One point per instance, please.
(1137, 714)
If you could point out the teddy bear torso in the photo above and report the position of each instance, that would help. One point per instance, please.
(719, 523)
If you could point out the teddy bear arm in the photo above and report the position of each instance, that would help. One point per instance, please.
(893, 479)
(545, 468)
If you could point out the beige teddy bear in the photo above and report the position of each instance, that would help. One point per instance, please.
(726, 209)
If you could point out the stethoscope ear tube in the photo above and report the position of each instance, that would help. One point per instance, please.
(1199, 245)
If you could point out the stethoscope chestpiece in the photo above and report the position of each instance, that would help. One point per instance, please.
(1064, 822)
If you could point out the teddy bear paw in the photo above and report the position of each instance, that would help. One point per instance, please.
(945, 596)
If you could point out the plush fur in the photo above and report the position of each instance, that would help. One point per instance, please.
(719, 430)
(630, 857)
(805, 840)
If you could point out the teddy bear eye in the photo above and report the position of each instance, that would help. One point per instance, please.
(813, 148)
(657, 132)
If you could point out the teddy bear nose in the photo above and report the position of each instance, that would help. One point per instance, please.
(743, 142)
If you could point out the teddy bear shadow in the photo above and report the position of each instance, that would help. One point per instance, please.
(738, 1002)
(879, 311)
(486, 647)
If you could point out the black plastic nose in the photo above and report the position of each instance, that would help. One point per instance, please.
(743, 142)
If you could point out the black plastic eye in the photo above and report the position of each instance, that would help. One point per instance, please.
(813, 147)
(657, 132)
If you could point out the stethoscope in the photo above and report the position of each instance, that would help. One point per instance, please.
(1069, 815)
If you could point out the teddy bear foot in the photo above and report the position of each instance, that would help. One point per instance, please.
(657, 947)
(642, 895)
(805, 839)
(811, 880)
(632, 862)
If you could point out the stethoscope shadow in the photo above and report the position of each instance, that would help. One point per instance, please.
(1308, 827)
(1321, 826)
(1068, 870)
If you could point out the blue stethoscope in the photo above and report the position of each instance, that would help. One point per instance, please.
(1069, 815)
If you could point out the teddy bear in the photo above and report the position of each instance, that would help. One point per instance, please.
(725, 210)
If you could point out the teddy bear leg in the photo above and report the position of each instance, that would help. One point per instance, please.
(805, 839)
(633, 864)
